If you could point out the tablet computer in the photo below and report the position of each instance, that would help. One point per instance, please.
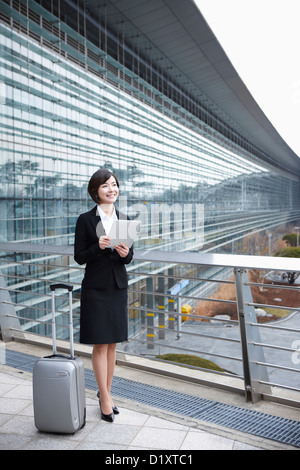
(125, 231)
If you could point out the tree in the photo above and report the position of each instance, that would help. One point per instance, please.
(290, 238)
(290, 252)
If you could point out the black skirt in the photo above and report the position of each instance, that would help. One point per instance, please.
(103, 316)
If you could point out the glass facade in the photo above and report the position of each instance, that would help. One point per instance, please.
(71, 103)
(68, 108)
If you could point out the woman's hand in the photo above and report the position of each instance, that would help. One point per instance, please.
(104, 242)
(122, 249)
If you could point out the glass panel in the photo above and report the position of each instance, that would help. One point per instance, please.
(67, 107)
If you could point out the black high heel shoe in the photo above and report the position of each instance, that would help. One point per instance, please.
(109, 418)
(114, 408)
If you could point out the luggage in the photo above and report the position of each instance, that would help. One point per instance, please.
(58, 384)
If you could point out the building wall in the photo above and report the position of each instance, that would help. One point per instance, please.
(68, 108)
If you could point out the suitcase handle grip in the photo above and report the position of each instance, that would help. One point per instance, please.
(59, 355)
(53, 287)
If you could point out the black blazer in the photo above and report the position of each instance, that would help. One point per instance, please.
(103, 267)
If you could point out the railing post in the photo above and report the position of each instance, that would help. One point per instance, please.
(161, 308)
(10, 326)
(171, 312)
(171, 300)
(150, 313)
(251, 353)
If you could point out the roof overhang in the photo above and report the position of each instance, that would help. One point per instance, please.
(174, 36)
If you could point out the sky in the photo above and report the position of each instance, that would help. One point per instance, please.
(262, 40)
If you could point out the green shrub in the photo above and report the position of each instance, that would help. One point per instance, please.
(290, 238)
(189, 359)
(289, 252)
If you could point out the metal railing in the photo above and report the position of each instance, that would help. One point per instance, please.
(167, 291)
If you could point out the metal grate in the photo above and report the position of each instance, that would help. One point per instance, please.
(249, 421)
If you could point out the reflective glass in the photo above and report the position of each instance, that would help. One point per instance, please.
(69, 107)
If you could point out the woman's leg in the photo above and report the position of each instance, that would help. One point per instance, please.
(111, 362)
(101, 370)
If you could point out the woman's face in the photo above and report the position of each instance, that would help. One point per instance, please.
(108, 192)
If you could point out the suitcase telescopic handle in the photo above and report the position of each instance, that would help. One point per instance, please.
(61, 286)
(53, 287)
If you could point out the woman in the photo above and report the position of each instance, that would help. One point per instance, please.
(103, 311)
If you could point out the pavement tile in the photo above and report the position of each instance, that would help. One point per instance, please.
(13, 442)
(206, 441)
(157, 438)
(112, 433)
(12, 405)
(243, 446)
(50, 443)
(20, 425)
(155, 422)
(22, 391)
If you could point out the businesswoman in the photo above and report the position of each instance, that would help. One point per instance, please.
(103, 309)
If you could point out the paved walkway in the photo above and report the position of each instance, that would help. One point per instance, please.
(131, 430)
(137, 427)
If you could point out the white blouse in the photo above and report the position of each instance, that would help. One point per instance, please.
(106, 220)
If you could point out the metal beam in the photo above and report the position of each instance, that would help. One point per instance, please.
(184, 257)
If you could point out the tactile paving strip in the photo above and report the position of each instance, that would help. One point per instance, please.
(249, 421)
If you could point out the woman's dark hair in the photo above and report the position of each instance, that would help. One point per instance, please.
(98, 178)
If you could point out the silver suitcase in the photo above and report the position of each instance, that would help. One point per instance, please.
(58, 384)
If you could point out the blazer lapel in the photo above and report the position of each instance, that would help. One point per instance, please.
(96, 222)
